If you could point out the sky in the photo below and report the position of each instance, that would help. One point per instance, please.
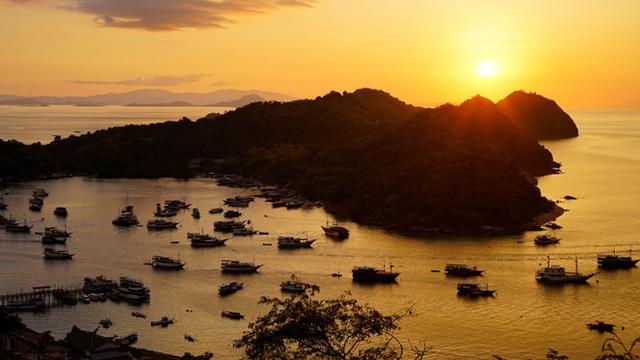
(581, 53)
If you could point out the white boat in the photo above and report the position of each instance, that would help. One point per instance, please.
(294, 285)
(558, 274)
(291, 242)
(85, 298)
(166, 263)
(546, 240)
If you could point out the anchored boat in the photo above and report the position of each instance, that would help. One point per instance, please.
(558, 274)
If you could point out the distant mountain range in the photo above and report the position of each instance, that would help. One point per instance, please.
(153, 97)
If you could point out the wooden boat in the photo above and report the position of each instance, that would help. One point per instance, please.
(474, 289)
(600, 326)
(57, 254)
(335, 231)
(371, 274)
(164, 322)
(462, 270)
(230, 288)
(232, 315)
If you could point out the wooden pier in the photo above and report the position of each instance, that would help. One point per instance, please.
(51, 295)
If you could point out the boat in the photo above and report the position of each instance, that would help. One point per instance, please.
(371, 274)
(232, 214)
(558, 274)
(35, 207)
(57, 254)
(230, 288)
(294, 285)
(205, 240)
(546, 240)
(161, 224)
(238, 201)
(85, 298)
(235, 266)
(60, 211)
(164, 322)
(601, 326)
(17, 228)
(552, 225)
(294, 204)
(195, 213)
(216, 211)
(138, 314)
(290, 242)
(99, 284)
(106, 323)
(127, 340)
(613, 261)
(32, 304)
(232, 315)
(126, 218)
(335, 231)
(166, 212)
(244, 232)
(55, 232)
(131, 290)
(166, 263)
(53, 240)
(40, 193)
(228, 226)
(36, 201)
(336, 274)
(462, 270)
(189, 338)
(474, 289)
(176, 205)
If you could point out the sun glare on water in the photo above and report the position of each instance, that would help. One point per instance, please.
(487, 68)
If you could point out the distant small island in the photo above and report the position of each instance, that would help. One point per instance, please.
(167, 104)
(366, 156)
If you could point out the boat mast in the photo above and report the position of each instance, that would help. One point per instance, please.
(577, 264)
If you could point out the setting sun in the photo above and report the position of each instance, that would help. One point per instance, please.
(487, 68)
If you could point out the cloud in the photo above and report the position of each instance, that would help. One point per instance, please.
(171, 15)
(153, 81)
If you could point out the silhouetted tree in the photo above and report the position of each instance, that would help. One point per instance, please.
(302, 327)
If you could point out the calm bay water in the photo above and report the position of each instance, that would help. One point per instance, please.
(31, 124)
(601, 168)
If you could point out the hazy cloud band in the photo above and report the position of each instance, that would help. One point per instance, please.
(169, 15)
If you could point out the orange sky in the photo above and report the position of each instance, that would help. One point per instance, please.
(582, 53)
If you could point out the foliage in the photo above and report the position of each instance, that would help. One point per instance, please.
(614, 348)
(302, 327)
(9, 322)
(447, 168)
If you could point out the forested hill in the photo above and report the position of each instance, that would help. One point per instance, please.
(366, 155)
